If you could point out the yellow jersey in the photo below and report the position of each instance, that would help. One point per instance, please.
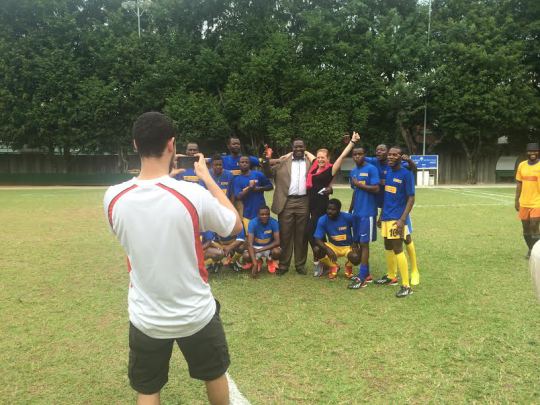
(529, 175)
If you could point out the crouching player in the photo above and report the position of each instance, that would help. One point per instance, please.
(365, 183)
(398, 203)
(224, 251)
(337, 227)
(263, 242)
(212, 253)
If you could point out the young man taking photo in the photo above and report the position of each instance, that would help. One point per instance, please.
(158, 221)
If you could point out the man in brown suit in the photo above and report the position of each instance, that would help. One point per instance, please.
(291, 205)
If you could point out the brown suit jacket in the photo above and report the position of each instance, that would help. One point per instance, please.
(281, 172)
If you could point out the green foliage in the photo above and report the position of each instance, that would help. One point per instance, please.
(74, 73)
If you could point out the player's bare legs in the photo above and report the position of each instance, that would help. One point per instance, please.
(218, 391)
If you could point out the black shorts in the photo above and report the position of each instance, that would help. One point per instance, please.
(206, 354)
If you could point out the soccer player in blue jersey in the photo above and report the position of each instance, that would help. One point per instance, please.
(398, 202)
(232, 162)
(380, 161)
(222, 177)
(188, 174)
(364, 180)
(249, 187)
(225, 251)
(212, 254)
(263, 242)
(337, 227)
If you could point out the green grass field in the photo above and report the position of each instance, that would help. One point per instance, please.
(470, 333)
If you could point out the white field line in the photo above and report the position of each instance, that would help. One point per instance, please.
(235, 396)
(483, 193)
(462, 205)
(489, 196)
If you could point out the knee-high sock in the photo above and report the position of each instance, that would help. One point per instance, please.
(363, 272)
(391, 264)
(534, 239)
(403, 267)
(528, 241)
(411, 251)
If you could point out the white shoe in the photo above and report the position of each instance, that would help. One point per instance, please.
(318, 269)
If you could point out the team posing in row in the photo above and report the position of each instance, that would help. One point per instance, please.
(384, 182)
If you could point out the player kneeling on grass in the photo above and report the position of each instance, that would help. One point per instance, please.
(263, 242)
(212, 254)
(398, 203)
(337, 227)
(232, 248)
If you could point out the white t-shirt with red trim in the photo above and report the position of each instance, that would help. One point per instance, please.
(158, 222)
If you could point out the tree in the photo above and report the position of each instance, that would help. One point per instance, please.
(480, 88)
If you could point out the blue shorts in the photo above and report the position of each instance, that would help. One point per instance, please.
(364, 229)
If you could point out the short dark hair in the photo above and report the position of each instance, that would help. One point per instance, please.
(355, 147)
(151, 132)
(397, 147)
(231, 138)
(217, 157)
(264, 207)
(298, 139)
(336, 202)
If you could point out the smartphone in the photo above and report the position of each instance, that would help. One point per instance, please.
(186, 162)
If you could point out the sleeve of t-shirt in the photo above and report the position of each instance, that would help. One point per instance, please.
(208, 235)
(213, 216)
(241, 235)
(373, 176)
(106, 201)
(320, 231)
(370, 159)
(253, 161)
(348, 218)
(351, 176)
(263, 180)
(409, 184)
(251, 227)
(518, 173)
(275, 226)
(236, 186)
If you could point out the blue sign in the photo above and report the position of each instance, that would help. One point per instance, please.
(426, 162)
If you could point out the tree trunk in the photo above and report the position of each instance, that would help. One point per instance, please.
(122, 159)
(472, 163)
(472, 170)
(406, 135)
(68, 161)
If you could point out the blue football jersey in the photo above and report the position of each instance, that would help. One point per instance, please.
(263, 234)
(398, 187)
(338, 231)
(230, 162)
(254, 199)
(364, 202)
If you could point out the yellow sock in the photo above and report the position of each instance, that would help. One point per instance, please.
(236, 256)
(403, 267)
(391, 264)
(411, 251)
